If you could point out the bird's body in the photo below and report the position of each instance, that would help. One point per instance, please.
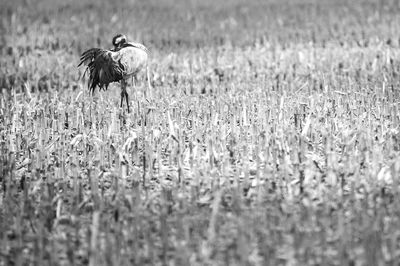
(133, 58)
(125, 61)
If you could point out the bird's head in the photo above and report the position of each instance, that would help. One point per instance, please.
(119, 40)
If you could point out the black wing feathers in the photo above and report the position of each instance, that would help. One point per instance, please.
(103, 69)
(89, 55)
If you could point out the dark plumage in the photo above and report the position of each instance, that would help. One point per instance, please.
(103, 70)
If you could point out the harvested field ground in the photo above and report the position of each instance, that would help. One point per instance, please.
(270, 135)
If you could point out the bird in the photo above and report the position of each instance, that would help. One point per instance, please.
(118, 64)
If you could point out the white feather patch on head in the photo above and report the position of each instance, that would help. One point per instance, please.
(119, 39)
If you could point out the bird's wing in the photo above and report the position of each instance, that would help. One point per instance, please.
(104, 67)
(88, 56)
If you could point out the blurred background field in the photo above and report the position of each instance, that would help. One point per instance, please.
(271, 137)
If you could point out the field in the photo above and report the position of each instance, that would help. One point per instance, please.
(270, 134)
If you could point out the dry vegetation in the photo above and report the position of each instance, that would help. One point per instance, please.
(272, 137)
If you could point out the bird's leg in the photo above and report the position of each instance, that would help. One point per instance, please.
(123, 88)
(127, 100)
(124, 93)
(135, 80)
(148, 81)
